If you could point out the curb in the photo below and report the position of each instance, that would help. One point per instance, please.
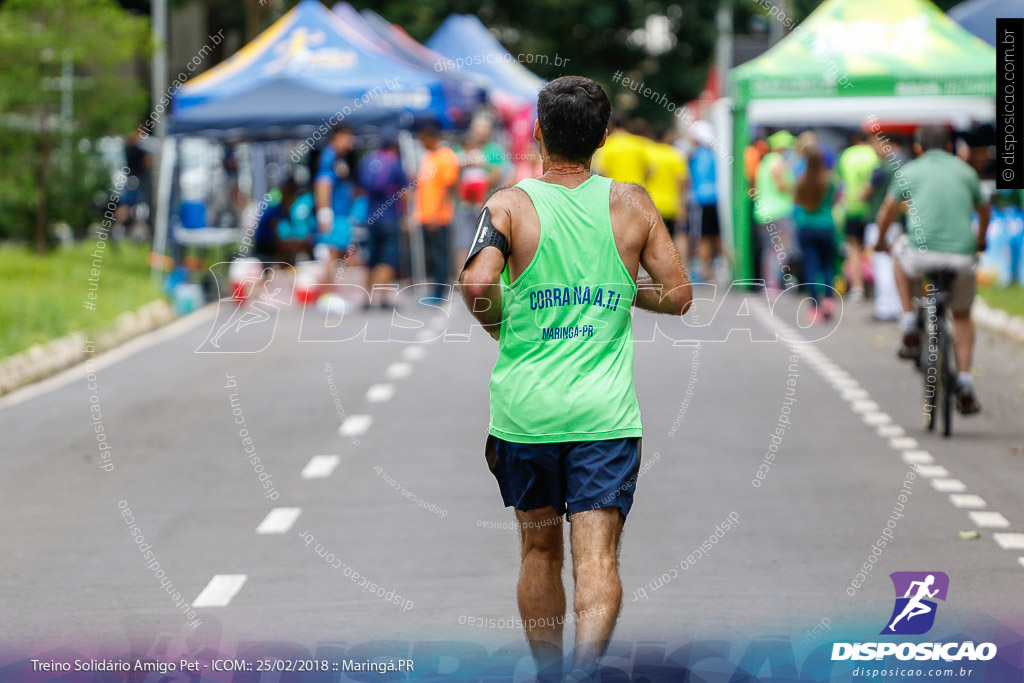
(998, 321)
(43, 360)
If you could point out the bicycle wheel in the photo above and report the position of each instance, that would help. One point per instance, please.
(948, 368)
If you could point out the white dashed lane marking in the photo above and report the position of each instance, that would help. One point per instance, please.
(356, 425)
(989, 519)
(865, 405)
(924, 464)
(416, 352)
(967, 500)
(320, 466)
(278, 520)
(933, 471)
(918, 458)
(219, 592)
(398, 370)
(948, 485)
(379, 393)
(889, 431)
(900, 443)
(1009, 541)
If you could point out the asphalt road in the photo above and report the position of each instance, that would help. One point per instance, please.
(404, 497)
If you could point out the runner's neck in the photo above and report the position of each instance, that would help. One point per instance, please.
(570, 174)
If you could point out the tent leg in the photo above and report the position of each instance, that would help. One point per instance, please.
(417, 256)
(161, 213)
(741, 227)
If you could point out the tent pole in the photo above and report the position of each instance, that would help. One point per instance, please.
(740, 197)
(161, 214)
(417, 256)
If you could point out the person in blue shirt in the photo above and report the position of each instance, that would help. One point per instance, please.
(704, 226)
(383, 179)
(335, 194)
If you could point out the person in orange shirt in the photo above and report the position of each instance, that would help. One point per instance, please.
(435, 205)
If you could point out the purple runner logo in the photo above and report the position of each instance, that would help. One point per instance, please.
(918, 591)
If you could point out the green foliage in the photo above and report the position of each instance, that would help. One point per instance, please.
(593, 36)
(39, 179)
(43, 295)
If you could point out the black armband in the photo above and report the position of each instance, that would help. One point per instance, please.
(487, 236)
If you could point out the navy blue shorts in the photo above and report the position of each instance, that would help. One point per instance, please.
(571, 477)
(383, 245)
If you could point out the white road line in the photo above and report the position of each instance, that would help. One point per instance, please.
(398, 370)
(877, 418)
(1020, 561)
(1009, 540)
(416, 352)
(888, 431)
(864, 405)
(854, 394)
(933, 471)
(356, 425)
(278, 520)
(989, 519)
(900, 443)
(918, 458)
(948, 485)
(967, 500)
(108, 358)
(219, 592)
(320, 466)
(379, 393)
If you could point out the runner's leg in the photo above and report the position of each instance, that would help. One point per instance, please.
(963, 339)
(595, 538)
(541, 594)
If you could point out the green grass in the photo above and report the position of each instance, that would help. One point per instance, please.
(1010, 299)
(42, 296)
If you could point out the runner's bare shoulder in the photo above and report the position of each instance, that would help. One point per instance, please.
(631, 205)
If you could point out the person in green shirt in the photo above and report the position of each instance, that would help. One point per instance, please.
(938, 193)
(554, 280)
(855, 168)
(773, 209)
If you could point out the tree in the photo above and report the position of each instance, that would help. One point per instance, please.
(65, 79)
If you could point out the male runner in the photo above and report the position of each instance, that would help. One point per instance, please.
(939, 192)
(552, 275)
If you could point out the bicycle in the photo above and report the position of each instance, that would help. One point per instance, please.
(936, 358)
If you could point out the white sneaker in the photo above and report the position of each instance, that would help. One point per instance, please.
(855, 295)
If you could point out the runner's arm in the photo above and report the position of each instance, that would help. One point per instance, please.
(481, 280)
(984, 213)
(886, 215)
(667, 290)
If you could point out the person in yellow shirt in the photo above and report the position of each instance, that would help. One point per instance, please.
(624, 155)
(668, 181)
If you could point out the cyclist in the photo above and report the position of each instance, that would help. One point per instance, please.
(938, 192)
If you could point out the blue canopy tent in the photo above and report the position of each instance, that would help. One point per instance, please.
(306, 68)
(468, 45)
(305, 73)
(979, 16)
(462, 91)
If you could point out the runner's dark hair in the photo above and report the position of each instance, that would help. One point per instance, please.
(573, 112)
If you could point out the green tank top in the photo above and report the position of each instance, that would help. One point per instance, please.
(565, 355)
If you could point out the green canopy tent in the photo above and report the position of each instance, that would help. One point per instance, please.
(899, 60)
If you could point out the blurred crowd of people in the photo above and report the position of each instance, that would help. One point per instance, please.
(814, 212)
(363, 202)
